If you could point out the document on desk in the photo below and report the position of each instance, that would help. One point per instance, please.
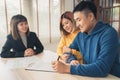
(21, 62)
(41, 66)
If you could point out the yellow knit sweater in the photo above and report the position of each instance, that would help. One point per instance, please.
(66, 41)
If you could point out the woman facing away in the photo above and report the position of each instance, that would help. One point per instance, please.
(21, 42)
(68, 33)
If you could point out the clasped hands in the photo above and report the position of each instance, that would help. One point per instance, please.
(29, 52)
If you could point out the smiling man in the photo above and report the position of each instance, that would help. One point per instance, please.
(98, 43)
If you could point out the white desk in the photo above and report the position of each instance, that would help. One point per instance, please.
(22, 74)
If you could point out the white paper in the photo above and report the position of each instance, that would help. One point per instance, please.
(41, 66)
(21, 62)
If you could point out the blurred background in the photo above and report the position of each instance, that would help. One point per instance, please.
(44, 16)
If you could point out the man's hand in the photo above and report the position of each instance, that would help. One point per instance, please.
(61, 67)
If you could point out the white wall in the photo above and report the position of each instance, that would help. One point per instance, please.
(68, 5)
(27, 11)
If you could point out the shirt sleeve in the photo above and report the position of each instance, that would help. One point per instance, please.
(74, 44)
(60, 46)
(78, 55)
(6, 50)
(38, 44)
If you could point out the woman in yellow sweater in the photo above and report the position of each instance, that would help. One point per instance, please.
(68, 32)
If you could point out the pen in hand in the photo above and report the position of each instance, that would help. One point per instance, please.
(58, 58)
(53, 62)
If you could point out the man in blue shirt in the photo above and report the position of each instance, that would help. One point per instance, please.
(97, 42)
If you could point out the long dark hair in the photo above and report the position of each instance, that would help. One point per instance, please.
(15, 20)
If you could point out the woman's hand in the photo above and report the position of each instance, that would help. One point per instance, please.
(64, 58)
(29, 52)
(74, 62)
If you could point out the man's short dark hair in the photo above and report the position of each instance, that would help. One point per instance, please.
(87, 6)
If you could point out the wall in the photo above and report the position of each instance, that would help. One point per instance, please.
(68, 5)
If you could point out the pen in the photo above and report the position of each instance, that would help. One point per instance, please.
(58, 58)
